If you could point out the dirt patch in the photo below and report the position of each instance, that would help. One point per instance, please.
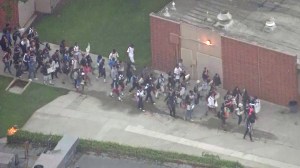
(19, 83)
(18, 86)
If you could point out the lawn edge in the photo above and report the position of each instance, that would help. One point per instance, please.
(116, 149)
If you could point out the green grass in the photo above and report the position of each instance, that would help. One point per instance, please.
(106, 24)
(16, 109)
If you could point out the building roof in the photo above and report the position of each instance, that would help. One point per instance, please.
(249, 18)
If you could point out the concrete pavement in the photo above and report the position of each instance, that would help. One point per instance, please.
(94, 115)
(101, 119)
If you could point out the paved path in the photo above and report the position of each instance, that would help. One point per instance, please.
(101, 119)
(94, 115)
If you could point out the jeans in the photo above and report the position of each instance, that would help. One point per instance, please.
(172, 109)
(134, 85)
(149, 96)
(31, 72)
(140, 103)
(248, 130)
(7, 67)
(240, 119)
(188, 114)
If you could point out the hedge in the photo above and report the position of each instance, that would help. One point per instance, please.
(207, 160)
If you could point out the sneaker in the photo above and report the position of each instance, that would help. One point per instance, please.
(97, 77)
(143, 110)
(29, 79)
(104, 80)
(153, 103)
(140, 108)
(119, 98)
(111, 94)
(36, 78)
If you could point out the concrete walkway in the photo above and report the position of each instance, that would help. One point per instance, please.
(94, 115)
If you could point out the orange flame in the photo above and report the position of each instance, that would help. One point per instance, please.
(11, 131)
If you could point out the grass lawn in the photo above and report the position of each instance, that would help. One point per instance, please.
(106, 24)
(17, 109)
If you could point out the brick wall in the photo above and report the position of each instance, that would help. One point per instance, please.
(266, 73)
(164, 46)
(15, 16)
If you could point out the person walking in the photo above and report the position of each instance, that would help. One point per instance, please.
(189, 110)
(115, 88)
(18, 67)
(16, 35)
(7, 60)
(4, 43)
(46, 75)
(135, 83)
(140, 95)
(149, 88)
(245, 101)
(217, 80)
(32, 67)
(26, 59)
(236, 93)
(130, 52)
(211, 104)
(129, 73)
(171, 102)
(239, 112)
(160, 85)
(250, 121)
(113, 54)
(101, 69)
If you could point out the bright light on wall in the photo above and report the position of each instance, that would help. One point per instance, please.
(208, 42)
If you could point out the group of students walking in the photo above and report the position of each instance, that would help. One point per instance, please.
(72, 63)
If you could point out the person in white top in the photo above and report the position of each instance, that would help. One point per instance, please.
(257, 105)
(130, 52)
(113, 54)
(211, 104)
(177, 72)
(76, 50)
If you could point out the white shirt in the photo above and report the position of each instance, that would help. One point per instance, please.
(211, 102)
(130, 51)
(140, 93)
(113, 55)
(177, 72)
(76, 48)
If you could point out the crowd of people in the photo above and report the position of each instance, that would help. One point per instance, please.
(77, 67)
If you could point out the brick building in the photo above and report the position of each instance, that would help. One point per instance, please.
(252, 44)
(22, 14)
(11, 17)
